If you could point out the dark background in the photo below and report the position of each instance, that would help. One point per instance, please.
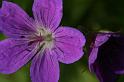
(89, 16)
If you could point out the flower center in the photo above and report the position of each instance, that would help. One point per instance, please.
(45, 38)
(48, 37)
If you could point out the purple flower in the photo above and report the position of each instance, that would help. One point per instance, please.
(39, 40)
(107, 56)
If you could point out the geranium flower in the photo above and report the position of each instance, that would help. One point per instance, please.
(106, 58)
(39, 39)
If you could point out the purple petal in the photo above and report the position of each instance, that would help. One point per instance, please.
(45, 68)
(103, 73)
(106, 59)
(68, 44)
(14, 54)
(96, 64)
(100, 39)
(48, 12)
(14, 21)
(113, 53)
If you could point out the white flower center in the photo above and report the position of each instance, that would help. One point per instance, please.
(47, 38)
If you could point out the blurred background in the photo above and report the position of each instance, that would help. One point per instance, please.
(89, 16)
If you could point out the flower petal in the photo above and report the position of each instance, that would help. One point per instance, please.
(48, 12)
(103, 73)
(13, 55)
(68, 44)
(113, 53)
(106, 59)
(100, 39)
(45, 68)
(96, 64)
(14, 21)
